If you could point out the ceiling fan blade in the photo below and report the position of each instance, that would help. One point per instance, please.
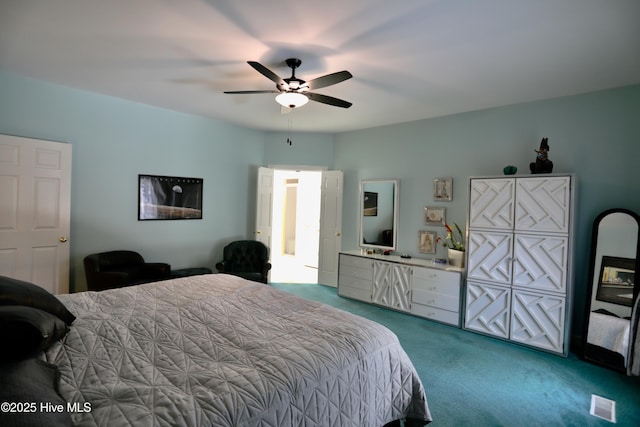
(266, 72)
(251, 91)
(328, 100)
(329, 79)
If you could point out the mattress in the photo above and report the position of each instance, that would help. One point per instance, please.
(217, 350)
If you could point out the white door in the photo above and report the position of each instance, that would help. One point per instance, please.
(330, 227)
(35, 204)
(264, 206)
(330, 240)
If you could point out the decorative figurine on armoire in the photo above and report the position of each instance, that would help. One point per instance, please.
(542, 163)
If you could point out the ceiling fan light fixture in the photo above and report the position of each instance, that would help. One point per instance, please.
(292, 99)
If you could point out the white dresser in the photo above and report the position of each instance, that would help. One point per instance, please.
(416, 286)
(519, 259)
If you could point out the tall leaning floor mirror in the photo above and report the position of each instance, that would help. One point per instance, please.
(611, 336)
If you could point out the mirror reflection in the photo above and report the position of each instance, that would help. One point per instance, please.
(611, 324)
(378, 214)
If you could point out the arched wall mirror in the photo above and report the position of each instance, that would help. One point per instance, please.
(611, 321)
(378, 214)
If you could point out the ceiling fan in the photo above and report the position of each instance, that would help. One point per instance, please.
(294, 92)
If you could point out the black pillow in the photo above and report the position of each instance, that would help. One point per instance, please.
(18, 292)
(25, 331)
(30, 383)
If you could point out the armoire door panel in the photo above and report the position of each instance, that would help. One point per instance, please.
(540, 263)
(543, 204)
(491, 203)
(538, 320)
(490, 257)
(488, 309)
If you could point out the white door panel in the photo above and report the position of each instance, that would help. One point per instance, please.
(35, 190)
(330, 227)
(264, 206)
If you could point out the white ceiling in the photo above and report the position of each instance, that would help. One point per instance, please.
(411, 59)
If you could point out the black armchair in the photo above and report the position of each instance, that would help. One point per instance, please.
(116, 269)
(246, 258)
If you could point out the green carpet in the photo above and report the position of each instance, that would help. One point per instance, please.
(473, 380)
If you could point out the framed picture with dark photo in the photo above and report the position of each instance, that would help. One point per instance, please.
(616, 282)
(370, 203)
(169, 197)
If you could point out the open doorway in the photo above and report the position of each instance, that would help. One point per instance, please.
(296, 226)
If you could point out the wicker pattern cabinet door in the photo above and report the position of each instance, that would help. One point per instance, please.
(540, 262)
(491, 204)
(538, 320)
(381, 283)
(543, 204)
(490, 256)
(488, 309)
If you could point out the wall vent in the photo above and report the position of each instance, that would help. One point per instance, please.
(603, 408)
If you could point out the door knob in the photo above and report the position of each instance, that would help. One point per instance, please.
(62, 239)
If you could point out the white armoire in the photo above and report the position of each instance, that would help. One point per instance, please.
(519, 259)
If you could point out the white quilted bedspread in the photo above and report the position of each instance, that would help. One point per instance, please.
(217, 350)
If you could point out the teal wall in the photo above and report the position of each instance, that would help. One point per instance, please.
(114, 141)
(306, 149)
(595, 136)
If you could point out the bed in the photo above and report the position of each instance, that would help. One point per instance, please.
(217, 350)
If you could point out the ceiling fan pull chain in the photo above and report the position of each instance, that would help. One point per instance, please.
(289, 141)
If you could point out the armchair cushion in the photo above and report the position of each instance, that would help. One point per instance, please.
(116, 269)
(246, 258)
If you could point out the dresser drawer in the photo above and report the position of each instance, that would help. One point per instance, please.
(441, 282)
(354, 282)
(355, 261)
(433, 313)
(437, 300)
(355, 267)
(355, 293)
